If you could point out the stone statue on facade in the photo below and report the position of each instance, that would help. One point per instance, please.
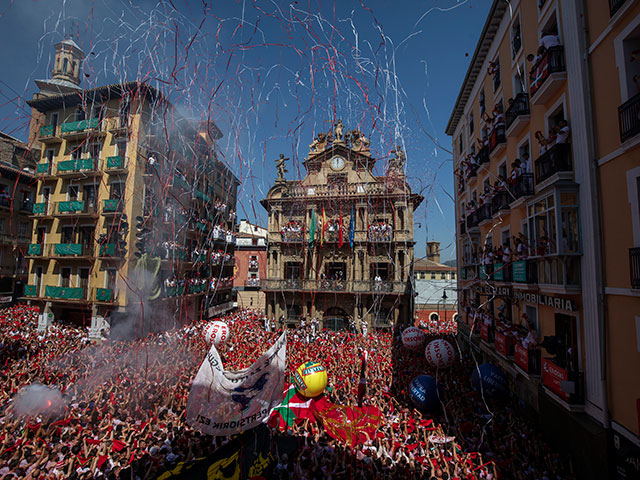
(281, 168)
(338, 132)
(398, 161)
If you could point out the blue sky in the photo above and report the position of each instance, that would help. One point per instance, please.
(271, 74)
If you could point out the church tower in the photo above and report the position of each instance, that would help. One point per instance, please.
(68, 62)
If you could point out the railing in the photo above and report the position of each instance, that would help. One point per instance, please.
(568, 385)
(472, 220)
(520, 106)
(79, 126)
(523, 186)
(629, 118)
(551, 62)
(44, 168)
(252, 282)
(75, 207)
(253, 265)
(41, 208)
(483, 156)
(79, 165)
(615, 5)
(556, 159)
(463, 227)
(385, 234)
(364, 189)
(69, 250)
(112, 205)
(320, 285)
(35, 249)
(500, 201)
(634, 267)
(116, 163)
(65, 293)
(48, 131)
(497, 137)
(5, 202)
(26, 206)
(484, 212)
(104, 295)
(109, 250)
(527, 359)
(30, 291)
(292, 236)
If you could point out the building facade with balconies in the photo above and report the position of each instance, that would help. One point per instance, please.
(130, 212)
(527, 218)
(613, 41)
(251, 265)
(340, 245)
(17, 191)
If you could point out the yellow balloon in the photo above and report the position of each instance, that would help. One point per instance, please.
(310, 379)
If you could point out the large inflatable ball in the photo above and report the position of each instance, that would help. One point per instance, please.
(413, 338)
(217, 333)
(424, 392)
(310, 379)
(440, 353)
(491, 378)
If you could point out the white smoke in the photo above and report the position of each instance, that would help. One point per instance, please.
(38, 399)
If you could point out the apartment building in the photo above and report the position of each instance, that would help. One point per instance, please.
(251, 265)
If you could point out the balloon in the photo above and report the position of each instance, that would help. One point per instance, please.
(310, 379)
(491, 378)
(440, 353)
(413, 338)
(425, 392)
(216, 332)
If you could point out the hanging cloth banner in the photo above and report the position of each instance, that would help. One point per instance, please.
(225, 403)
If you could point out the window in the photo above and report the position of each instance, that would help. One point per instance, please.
(1, 226)
(49, 154)
(66, 235)
(471, 123)
(516, 38)
(443, 276)
(505, 237)
(79, 114)
(542, 226)
(65, 65)
(519, 83)
(433, 275)
(75, 68)
(524, 154)
(482, 102)
(627, 45)
(72, 192)
(121, 147)
(460, 143)
(65, 276)
(111, 274)
(502, 170)
(94, 149)
(76, 152)
(54, 119)
(23, 228)
(496, 74)
(453, 275)
(570, 237)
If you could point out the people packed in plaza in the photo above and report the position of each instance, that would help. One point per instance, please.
(117, 408)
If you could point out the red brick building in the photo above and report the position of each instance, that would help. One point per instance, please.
(250, 266)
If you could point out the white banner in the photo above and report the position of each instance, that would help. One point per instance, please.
(224, 403)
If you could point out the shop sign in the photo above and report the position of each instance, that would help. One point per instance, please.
(501, 344)
(494, 291)
(521, 357)
(554, 302)
(553, 376)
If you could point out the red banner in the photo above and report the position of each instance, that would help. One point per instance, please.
(539, 74)
(502, 345)
(553, 376)
(349, 424)
(484, 332)
(521, 357)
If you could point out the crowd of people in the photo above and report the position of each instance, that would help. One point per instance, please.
(121, 405)
(292, 232)
(438, 325)
(380, 232)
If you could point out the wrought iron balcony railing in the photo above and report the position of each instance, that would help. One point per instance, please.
(629, 118)
(556, 159)
(520, 106)
(634, 267)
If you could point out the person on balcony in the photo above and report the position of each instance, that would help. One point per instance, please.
(506, 253)
(498, 116)
(549, 40)
(542, 142)
(562, 132)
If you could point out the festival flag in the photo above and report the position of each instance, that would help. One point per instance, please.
(293, 407)
(350, 425)
(340, 234)
(312, 228)
(324, 227)
(351, 229)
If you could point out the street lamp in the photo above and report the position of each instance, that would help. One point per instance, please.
(444, 303)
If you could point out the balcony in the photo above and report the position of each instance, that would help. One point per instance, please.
(634, 267)
(49, 135)
(66, 294)
(517, 115)
(104, 296)
(525, 271)
(108, 251)
(547, 76)
(483, 213)
(30, 291)
(615, 5)
(112, 206)
(35, 250)
(485, 271)
(75, 208)
(45, 170)
(483, 156)
(502, 272)
(629, 118)
(41, 210)
(523, 186)
(500, 202)
(380, 233)
(80, 129)
(472, 220)
(463, 227)
(252, 283)
(116, 164)
(292, 236)
(527, 359)
(567, 385)
(324, 285)
(556, 160)
(78, 168)
(497, 140)
(70, 251)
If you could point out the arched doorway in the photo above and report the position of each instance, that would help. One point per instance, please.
(336, 319)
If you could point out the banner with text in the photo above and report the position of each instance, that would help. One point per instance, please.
(225, 403)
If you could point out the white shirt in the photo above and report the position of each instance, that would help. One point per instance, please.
(563, 135)
(549, 41)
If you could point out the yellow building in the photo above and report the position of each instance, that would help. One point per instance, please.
(613, 43)
(544, 194)
(132, 205)
(312, 274)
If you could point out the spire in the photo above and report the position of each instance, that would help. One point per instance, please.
(68, 62)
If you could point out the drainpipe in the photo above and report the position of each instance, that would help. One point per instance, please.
(606, 422)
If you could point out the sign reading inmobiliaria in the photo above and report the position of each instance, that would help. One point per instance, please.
(224, 403)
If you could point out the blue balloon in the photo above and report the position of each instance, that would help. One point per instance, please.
(492, 378)
(425, 392)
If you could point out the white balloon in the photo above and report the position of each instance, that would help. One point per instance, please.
(413, 337)
(440, 353)
(217, 332)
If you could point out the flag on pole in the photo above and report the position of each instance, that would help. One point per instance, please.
(324, 227)
(351, 229)
(340, 233)
(312, 228)
(293, 407)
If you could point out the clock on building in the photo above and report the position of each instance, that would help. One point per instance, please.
(337, 163)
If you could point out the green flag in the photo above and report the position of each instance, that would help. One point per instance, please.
(312, 228)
